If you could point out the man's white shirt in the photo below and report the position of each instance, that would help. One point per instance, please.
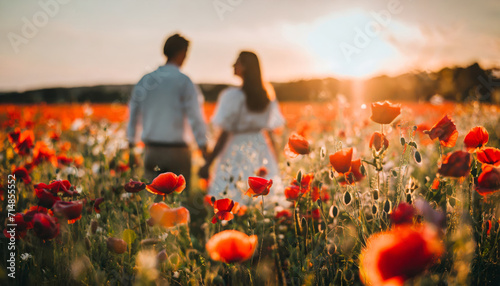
(165, 100)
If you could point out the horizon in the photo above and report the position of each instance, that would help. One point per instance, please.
(345, 79)
(71, 43)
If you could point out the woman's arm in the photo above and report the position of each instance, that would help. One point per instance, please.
(272, 143)
(221, 141)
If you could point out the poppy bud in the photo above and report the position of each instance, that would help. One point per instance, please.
(116, 245)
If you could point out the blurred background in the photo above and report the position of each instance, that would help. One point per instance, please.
(59, 51)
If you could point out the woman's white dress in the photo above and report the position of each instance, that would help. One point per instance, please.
(246, 149)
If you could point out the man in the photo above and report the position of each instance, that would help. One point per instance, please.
(164, 101)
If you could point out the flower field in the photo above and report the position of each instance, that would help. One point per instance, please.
(376, 194)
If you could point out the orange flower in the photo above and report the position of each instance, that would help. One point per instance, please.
(355, 171)
(167, 217)
(258, 186)
(167, 183)
(42, 153)
(207, 200)
(445, 130)
(403, 214)
(476, 138)
(222, 210)
(297, 145)
(378, 140)
(341, 160)
(392, 257)
(456, 164)
(489, 156)
(239, 210)
(78, 159)
(385, 112)
(489, 181)
(231, 246)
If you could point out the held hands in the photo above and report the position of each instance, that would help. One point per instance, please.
(203, 172)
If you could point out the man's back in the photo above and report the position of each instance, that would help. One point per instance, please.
(164, 99)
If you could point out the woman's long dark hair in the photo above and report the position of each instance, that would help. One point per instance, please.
(257, 97)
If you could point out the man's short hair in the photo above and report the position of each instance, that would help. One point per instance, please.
(174, 45)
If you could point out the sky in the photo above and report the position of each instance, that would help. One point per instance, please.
(51, 43)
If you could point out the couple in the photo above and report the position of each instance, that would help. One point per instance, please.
(166, 100)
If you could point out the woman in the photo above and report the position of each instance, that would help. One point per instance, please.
(245, 116)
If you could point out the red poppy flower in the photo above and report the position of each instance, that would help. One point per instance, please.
(134, 186)
(456, 164)
(341, 160)
(45, 226)
(262, 172)
(489, 156)
(378, 140)
(122, 167)
(97, 203)
(42, 153)
(445, 130)
(487, 227)
(72, 211)
(116, 245)
(403, 214)
(163, 215)
(354, 175)
(316, 214)
(284, 214)
(20, 229)
(22, 173)
(305, 182)
(292, 192)
(22, 141)
(385, 112)
(46, 199)
(297, 145)
(57, 186)
(207, 200)
(63, 160)
(476, 138)
(435, 184)
(322, 194)
(231, 246)
(167, 183)
(222, 210)
(258, 186)
(54, 135)
(14, 136)
(392, 257)
(30, 213)
(489, 181)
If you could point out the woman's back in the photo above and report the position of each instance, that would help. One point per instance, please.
(233, 115)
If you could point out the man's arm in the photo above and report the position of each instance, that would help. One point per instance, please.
(192, 103)
(134, 113)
